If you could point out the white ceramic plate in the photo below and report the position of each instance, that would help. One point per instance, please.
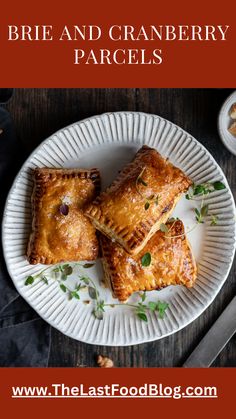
(108, 142)
(224, 122)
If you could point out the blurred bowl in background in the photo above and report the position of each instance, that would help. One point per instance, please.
(225, 121)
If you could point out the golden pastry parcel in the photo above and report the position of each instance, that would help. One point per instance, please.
(171, 263)
(60, 230)
(142, 197)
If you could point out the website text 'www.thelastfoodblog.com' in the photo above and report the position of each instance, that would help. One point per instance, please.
(148, 390)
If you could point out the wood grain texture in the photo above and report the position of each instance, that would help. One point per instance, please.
(37, 113)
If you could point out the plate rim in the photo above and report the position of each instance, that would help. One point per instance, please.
(102, 115)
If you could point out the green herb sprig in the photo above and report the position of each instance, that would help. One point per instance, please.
(61, 272)
(148, 200)
(139, 181)
(40, 275)
(200, 213)
(204, 189)
(142, 309)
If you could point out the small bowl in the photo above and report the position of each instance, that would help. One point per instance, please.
(224, 122)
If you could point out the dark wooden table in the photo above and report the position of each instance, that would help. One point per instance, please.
(37, 113)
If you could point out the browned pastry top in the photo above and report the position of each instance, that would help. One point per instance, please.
(131, 210)
(60, 230)
(172, 263)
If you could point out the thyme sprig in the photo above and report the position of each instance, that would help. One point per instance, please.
(139, 180)
(150, 199)
(61, 272)
(141, 310)
(71, 293)
(204, 189)
(41, 275)
(199, 216)
(200, 213)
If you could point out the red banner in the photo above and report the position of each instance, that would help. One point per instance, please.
(126, 44)
(149, 391)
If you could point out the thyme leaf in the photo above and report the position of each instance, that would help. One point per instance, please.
(92, 293)
(146, 259)
(161, 308)
(74, 294)
(142, 316)
(214, 220)
(200, 214)
(88, 265)
(85, 280)
(218, 186)
(164, 228)
(140, 180)
(44, 279)
(29, 280)
(63, 287)
(67, 269)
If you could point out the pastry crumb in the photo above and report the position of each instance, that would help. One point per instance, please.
(232, 112)
(104, 362)
(232, 129)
